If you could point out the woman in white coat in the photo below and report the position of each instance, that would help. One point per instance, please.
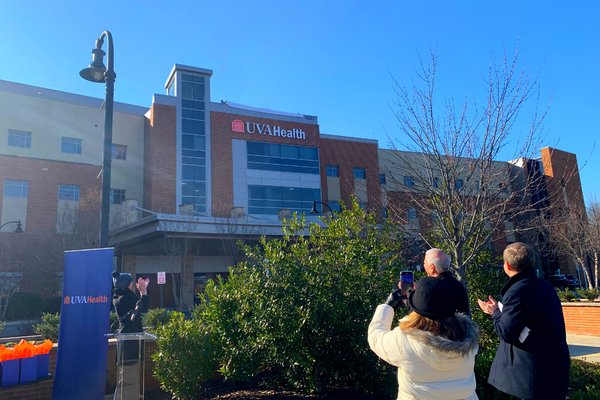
(433, 348)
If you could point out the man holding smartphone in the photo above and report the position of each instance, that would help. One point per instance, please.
(437, 265)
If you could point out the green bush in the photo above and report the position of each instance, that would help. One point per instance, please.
(589, 294)
(585, 381)
(156, 317)
(296, 313)
(185, 357)
(49, 326)
(566, 295)
(24, 306)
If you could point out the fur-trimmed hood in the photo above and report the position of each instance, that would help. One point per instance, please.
(445, 345)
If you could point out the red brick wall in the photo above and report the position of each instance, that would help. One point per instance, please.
(560, 168)
(582, 318)
(348, 154)
(44, 176)
(221, 152)
(160, 159)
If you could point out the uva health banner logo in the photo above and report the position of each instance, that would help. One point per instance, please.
(84, 318)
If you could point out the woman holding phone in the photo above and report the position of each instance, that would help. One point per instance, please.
(433, 347)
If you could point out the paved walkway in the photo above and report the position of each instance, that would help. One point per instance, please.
(585, 348)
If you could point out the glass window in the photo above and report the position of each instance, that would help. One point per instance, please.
(436, 182)
(411, 213)
(382, 179)
(19, 138)
(359, 173)
(15, 188)
(278, 157)
(335, 205)
(68, 192)
(119, 152)
(458, 184)
(409, 181)
(70, 145)
(117, 196)
(333, 170)
(271, 199)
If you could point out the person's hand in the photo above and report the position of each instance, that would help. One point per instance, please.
(142, 285)
(395, 299)
(488, 307)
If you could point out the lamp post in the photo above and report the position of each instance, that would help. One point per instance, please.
(98, 73)
(314, 210)
(18, 222)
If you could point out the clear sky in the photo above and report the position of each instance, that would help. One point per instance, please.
(331, 58)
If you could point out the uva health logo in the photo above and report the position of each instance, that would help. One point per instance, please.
(85, 299)
(240, 126)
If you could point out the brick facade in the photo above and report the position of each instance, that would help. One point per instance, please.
(160, 159)
(44, 176)
(348, 154)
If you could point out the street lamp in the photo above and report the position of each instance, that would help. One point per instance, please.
(98, 73)
(314, 209)
(18, 222)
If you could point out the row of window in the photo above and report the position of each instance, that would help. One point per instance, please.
(282, 157)
(334, 171)
(20, 189)
(68, 145)
(271, 199)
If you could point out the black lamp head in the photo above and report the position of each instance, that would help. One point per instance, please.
(95, 72)
(19, 228)
(314, 210)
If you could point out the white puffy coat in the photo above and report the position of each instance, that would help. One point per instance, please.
(430, 367)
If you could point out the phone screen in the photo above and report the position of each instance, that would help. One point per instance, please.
(407, 280)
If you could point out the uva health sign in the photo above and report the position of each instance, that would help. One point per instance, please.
(251, 128)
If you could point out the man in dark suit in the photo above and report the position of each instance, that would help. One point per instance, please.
(532, 360)
(437, 264)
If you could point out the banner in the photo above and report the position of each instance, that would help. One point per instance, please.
(84, 318)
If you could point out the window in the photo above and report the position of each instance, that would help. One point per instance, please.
(70, 145)
(359, 173)
(362, 205)
(119, 152)
(384, 212)
(117, 196)
(435, 182)
(271, 199)
(283, 157)
(14, 188)
(411, 214)
(333, 170)
(409, 181)
(19, 138)
(382, 179)
(458, 184)
(335, 206)
(68, 192)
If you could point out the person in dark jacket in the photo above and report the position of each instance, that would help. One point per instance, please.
(129, 307)
(437, 265)
(532, 360)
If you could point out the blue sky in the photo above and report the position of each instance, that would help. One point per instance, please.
(333, 59)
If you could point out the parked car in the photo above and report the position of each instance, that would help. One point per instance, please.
(559, 281)
(573, 282)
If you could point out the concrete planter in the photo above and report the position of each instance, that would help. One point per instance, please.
(582, 318)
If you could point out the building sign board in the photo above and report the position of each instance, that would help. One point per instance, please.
(251, 128)
(161, 278)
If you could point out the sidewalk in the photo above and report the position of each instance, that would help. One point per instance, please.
(586, 348)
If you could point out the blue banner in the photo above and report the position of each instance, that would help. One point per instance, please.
(81, 360)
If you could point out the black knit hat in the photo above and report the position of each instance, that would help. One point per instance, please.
(432, 298)
(121, 281)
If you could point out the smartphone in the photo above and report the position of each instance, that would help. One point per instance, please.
(407, 281)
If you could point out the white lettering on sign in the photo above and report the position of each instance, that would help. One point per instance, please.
(267, 130)
(161, 278)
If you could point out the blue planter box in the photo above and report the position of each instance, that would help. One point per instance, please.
(43, 363)
(9, 372)
(28, 370)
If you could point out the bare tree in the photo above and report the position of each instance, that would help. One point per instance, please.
(445, 165)
(576, 234)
